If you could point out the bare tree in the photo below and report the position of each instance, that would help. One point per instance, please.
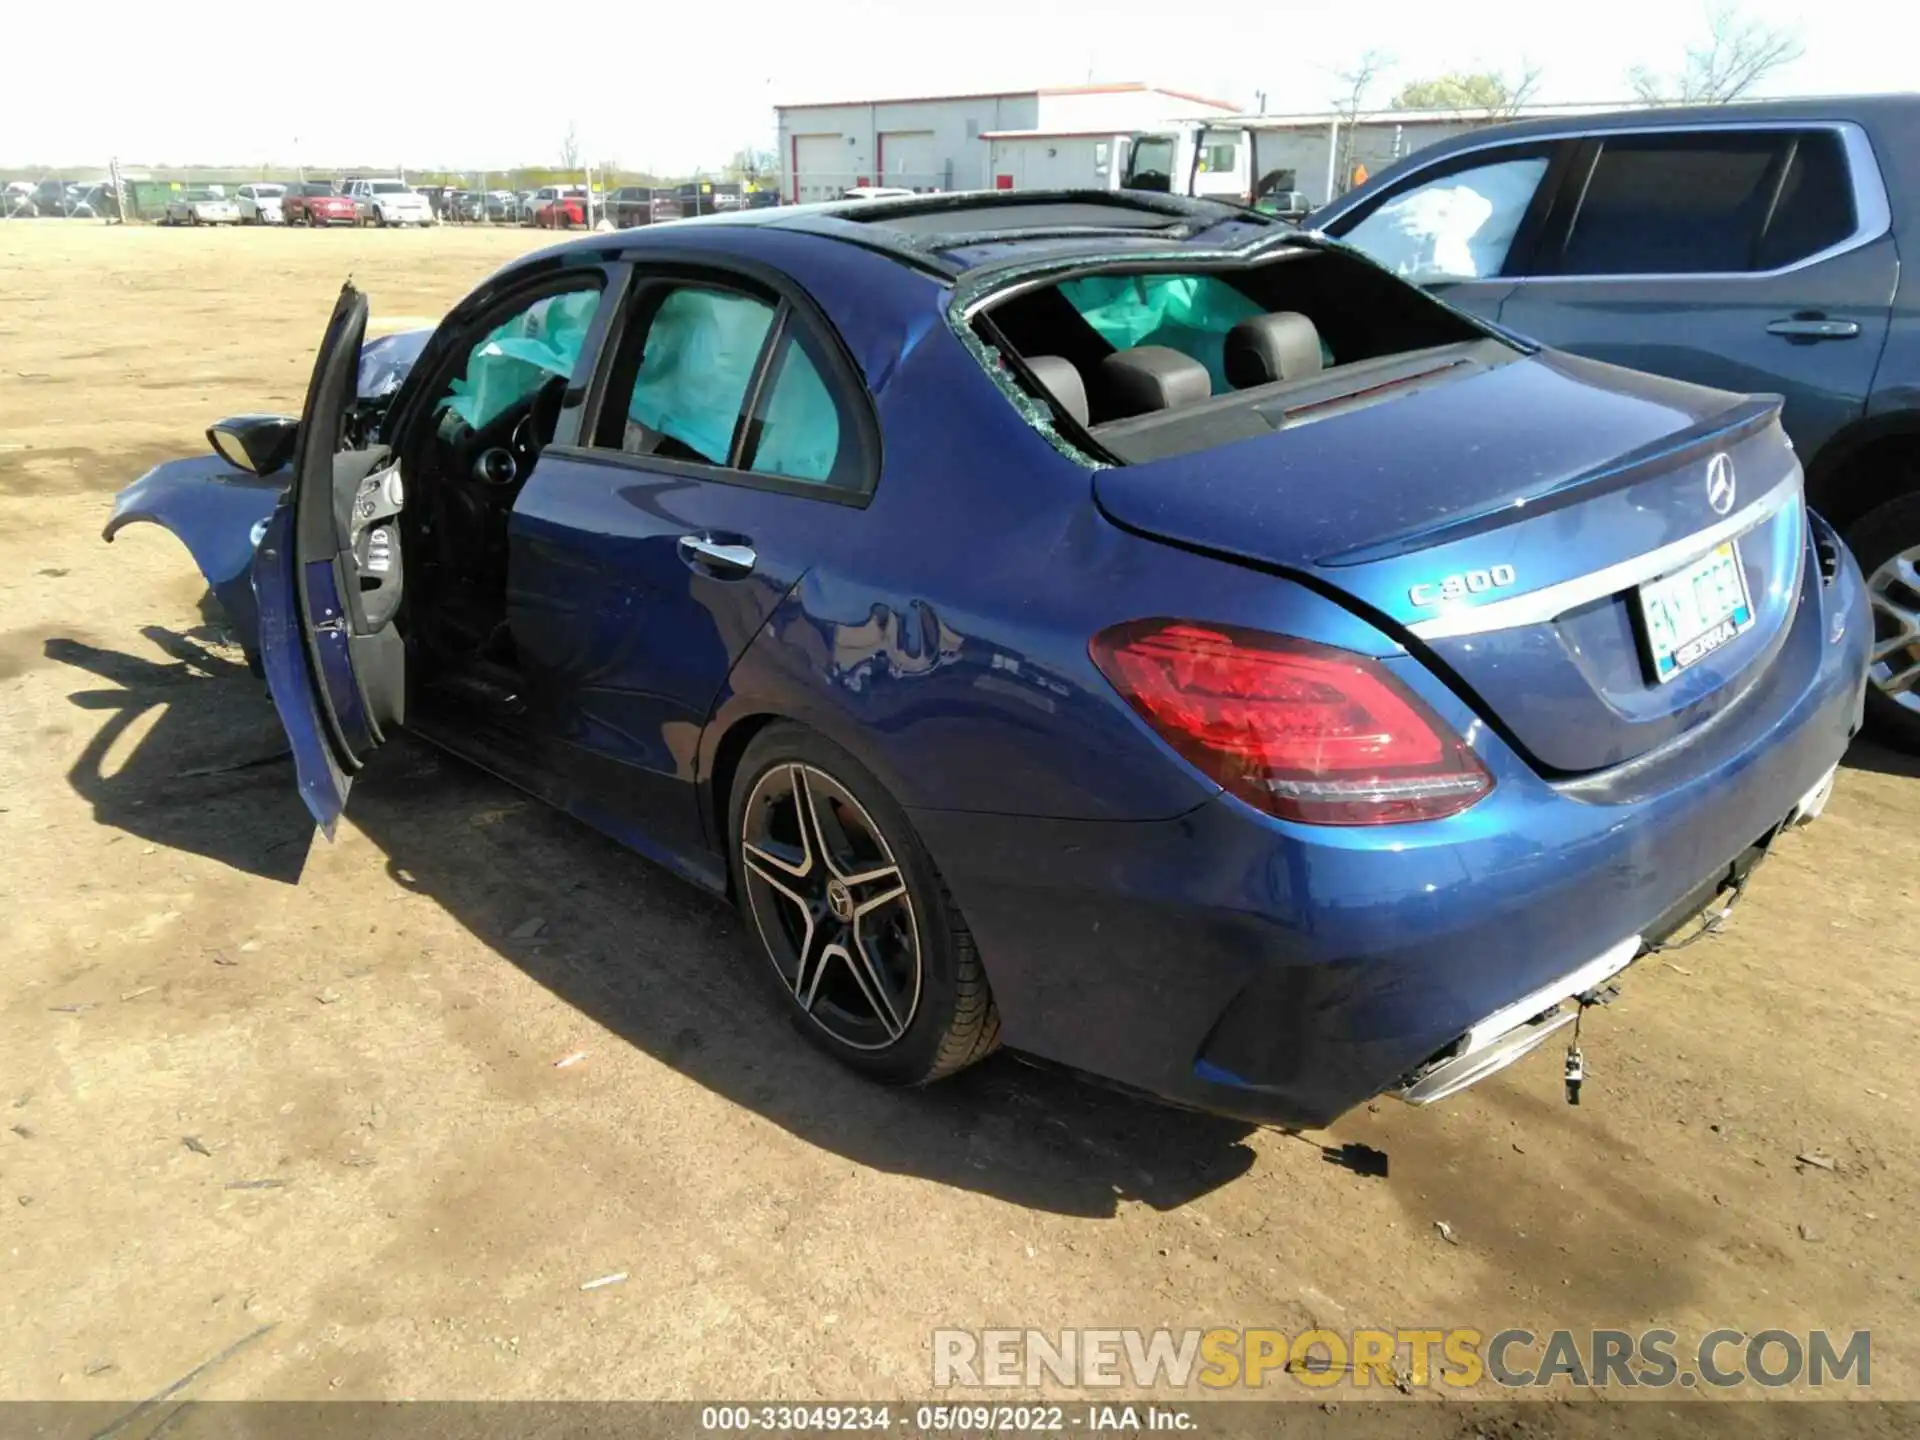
(1484, 92)
(570, 148)
(1349, 105)
(752, 165)
(1738, 54)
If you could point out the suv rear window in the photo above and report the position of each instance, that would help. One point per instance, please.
(1708, 203)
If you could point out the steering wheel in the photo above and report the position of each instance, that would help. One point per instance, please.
(502, 452)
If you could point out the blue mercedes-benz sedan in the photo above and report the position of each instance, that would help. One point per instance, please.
(1122, 628)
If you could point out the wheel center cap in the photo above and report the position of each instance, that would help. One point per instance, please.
(839, 900)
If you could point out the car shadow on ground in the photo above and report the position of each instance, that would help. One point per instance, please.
(1869, 754)
(653, 960)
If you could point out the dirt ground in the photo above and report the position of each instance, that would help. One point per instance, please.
(251, 1078)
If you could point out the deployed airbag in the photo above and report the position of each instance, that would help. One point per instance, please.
(694, 373)
(518, 358)
(1188, 313)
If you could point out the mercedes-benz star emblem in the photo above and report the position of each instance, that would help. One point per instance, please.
(839, 900)
(1720, 487)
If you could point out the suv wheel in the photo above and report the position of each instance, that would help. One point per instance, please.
(1886, 542)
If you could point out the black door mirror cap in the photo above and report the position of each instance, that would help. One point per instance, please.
(259, 444)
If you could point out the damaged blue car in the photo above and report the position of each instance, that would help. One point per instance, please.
(1118, 627)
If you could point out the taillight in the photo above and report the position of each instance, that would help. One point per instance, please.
(1302, 731)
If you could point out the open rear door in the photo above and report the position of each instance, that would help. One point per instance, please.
(327, 577)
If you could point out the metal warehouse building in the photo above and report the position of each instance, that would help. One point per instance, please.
(941, 142)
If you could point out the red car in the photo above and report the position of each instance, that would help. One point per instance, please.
(314, 202)
(557, 208)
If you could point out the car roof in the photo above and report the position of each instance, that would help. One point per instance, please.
(1819, 107)
(954, 233)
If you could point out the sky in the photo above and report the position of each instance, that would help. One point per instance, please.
(670, 88)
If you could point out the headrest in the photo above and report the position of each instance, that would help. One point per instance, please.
(1154, 377)
(1063, 382)
(1282, 346)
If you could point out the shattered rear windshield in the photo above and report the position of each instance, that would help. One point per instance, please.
(1154, 359)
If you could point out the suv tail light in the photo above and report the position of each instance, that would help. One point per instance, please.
(1300, 730)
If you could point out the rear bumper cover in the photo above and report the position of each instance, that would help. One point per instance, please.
(1282, 973)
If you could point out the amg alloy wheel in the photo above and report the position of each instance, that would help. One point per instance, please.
(844, 902)
(1886, 542)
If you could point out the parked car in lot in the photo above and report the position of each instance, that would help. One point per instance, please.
(388, 202)
(56, 197)
(16, 200)
(1290, 205)
(503, 207)
(261, 203)
(201, 205)
(711, 197)
(1753, 247)
(317, 202)
(632, 205)
(463, 207)
(95, 202)
(1122, 627)
(555, 207)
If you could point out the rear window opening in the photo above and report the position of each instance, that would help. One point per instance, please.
(1166, 360)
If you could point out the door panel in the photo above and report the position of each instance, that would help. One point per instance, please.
(1725, 331)
(727, 454)
(327, 578)
(627, 634)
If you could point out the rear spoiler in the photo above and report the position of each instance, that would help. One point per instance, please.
(1748, 416)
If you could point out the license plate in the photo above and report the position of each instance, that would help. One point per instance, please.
(1688, 615)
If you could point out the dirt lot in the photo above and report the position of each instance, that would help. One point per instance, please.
(247, 1077)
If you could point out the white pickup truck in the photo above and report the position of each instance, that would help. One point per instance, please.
(388, 202)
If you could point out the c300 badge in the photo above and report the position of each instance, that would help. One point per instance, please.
(1463, 586)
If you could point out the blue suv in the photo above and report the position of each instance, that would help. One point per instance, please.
(1752, 247)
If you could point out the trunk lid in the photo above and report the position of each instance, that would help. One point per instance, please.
(1501, 526)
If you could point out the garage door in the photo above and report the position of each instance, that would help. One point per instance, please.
(819, 167)
(906, 158)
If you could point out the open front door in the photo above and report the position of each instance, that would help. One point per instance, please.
(327, 577)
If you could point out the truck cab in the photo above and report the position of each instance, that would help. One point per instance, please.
(1194, 158)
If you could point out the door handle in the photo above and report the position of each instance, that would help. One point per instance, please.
(1814, 327)
(724, 559)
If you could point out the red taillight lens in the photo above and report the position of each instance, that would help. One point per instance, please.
(1303, 731)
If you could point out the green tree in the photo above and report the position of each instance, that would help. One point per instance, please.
(1486, 92)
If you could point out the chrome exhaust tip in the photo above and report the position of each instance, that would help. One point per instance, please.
(1514, 1031)
(1808, 807)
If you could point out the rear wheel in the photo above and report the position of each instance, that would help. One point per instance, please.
(1886, 542)
(857, 927)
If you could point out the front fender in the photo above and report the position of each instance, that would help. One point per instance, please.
(218, 513)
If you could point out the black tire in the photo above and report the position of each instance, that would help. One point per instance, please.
(953, 1022)
(1875, 539)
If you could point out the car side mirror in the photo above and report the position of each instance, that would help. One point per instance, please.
(259, 444)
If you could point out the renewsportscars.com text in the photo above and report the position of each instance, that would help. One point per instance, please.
(1229, 1359)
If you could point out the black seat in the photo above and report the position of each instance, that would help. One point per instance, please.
(1153, 377)
(1062, 381)
(1281, 346)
